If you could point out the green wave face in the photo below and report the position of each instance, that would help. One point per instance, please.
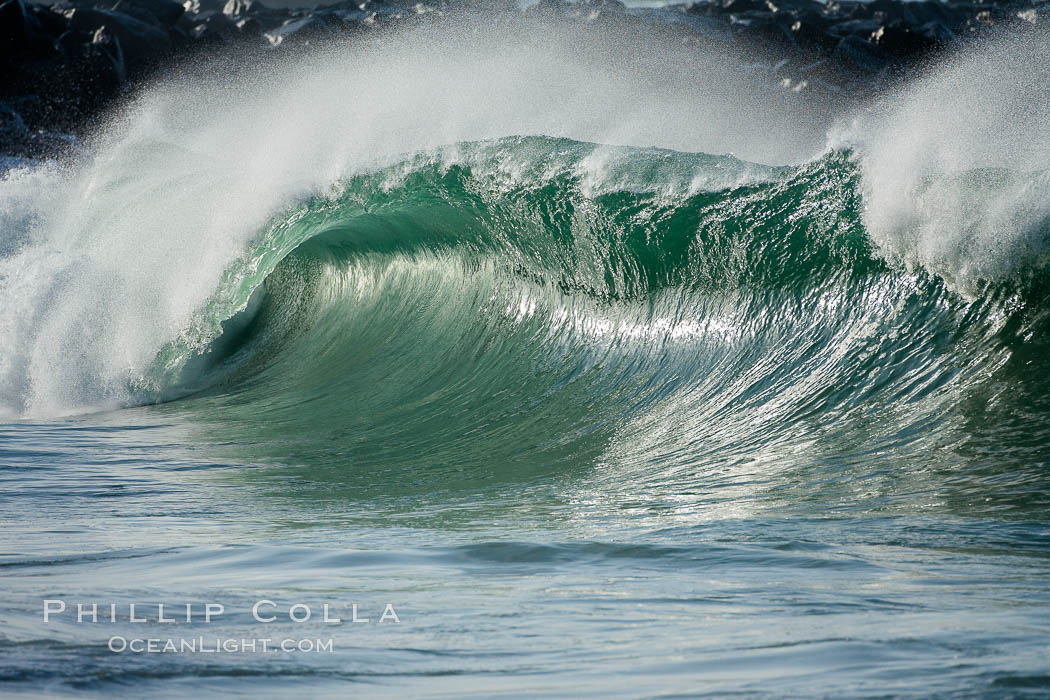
(501, 311)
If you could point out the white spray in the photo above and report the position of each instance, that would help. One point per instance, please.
(956, 168)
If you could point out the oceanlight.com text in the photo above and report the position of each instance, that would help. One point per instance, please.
(217, 645)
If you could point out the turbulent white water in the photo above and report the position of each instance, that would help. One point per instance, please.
(957, 166)
(108, 259)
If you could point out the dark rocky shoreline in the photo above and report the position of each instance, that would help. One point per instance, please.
(63, 65)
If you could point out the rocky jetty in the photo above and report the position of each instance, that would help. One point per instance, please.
(63, 64)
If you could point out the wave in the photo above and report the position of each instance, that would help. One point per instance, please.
(543, 300)
(678, 306)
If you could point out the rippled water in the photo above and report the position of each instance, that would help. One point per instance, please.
(569, 584)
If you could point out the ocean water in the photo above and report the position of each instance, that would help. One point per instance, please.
(508, 351)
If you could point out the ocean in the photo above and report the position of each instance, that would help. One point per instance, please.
(512, 371)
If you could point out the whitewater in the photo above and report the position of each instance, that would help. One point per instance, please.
(616, 368)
